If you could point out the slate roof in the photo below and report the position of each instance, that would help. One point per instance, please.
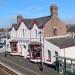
(35, 43)
(15, 27)
(28, 23)
(63, 42)
(40, 22)
(71, 28)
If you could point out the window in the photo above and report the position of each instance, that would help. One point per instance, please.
(56, 54)
(54, 31)
(13, 47)
(23, 32)
(35, 54)
(38, 54)
(24, 46)
(49, 55)
(36, 32)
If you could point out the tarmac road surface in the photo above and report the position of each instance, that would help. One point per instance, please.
(24, 66)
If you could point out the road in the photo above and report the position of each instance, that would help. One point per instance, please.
(23, 66)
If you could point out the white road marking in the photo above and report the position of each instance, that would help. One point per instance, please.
(20, 66)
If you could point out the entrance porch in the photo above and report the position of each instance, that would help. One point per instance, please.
(14, 47)
(35, 51)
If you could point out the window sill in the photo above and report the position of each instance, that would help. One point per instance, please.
(14, 51)
(35, 58)
(48, 60)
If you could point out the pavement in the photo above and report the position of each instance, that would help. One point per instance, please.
(23, 66)
(2, 50)
(5, 71)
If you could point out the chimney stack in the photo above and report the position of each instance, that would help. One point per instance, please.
(19, 18)
(54, 10)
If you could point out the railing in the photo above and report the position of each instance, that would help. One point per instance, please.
(66, 67)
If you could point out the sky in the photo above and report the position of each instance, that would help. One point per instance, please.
(9, 9)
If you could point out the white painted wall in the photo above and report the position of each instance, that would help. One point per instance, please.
(33, 31)
(13, 33)
(8, 47)
(20, 31)
(24, 50)
(68, 52)
(52, 48)
(18, 35)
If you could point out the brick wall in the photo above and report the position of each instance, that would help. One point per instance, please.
(54, 22)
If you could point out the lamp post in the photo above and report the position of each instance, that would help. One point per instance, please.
(5, 48)
(41, 62)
